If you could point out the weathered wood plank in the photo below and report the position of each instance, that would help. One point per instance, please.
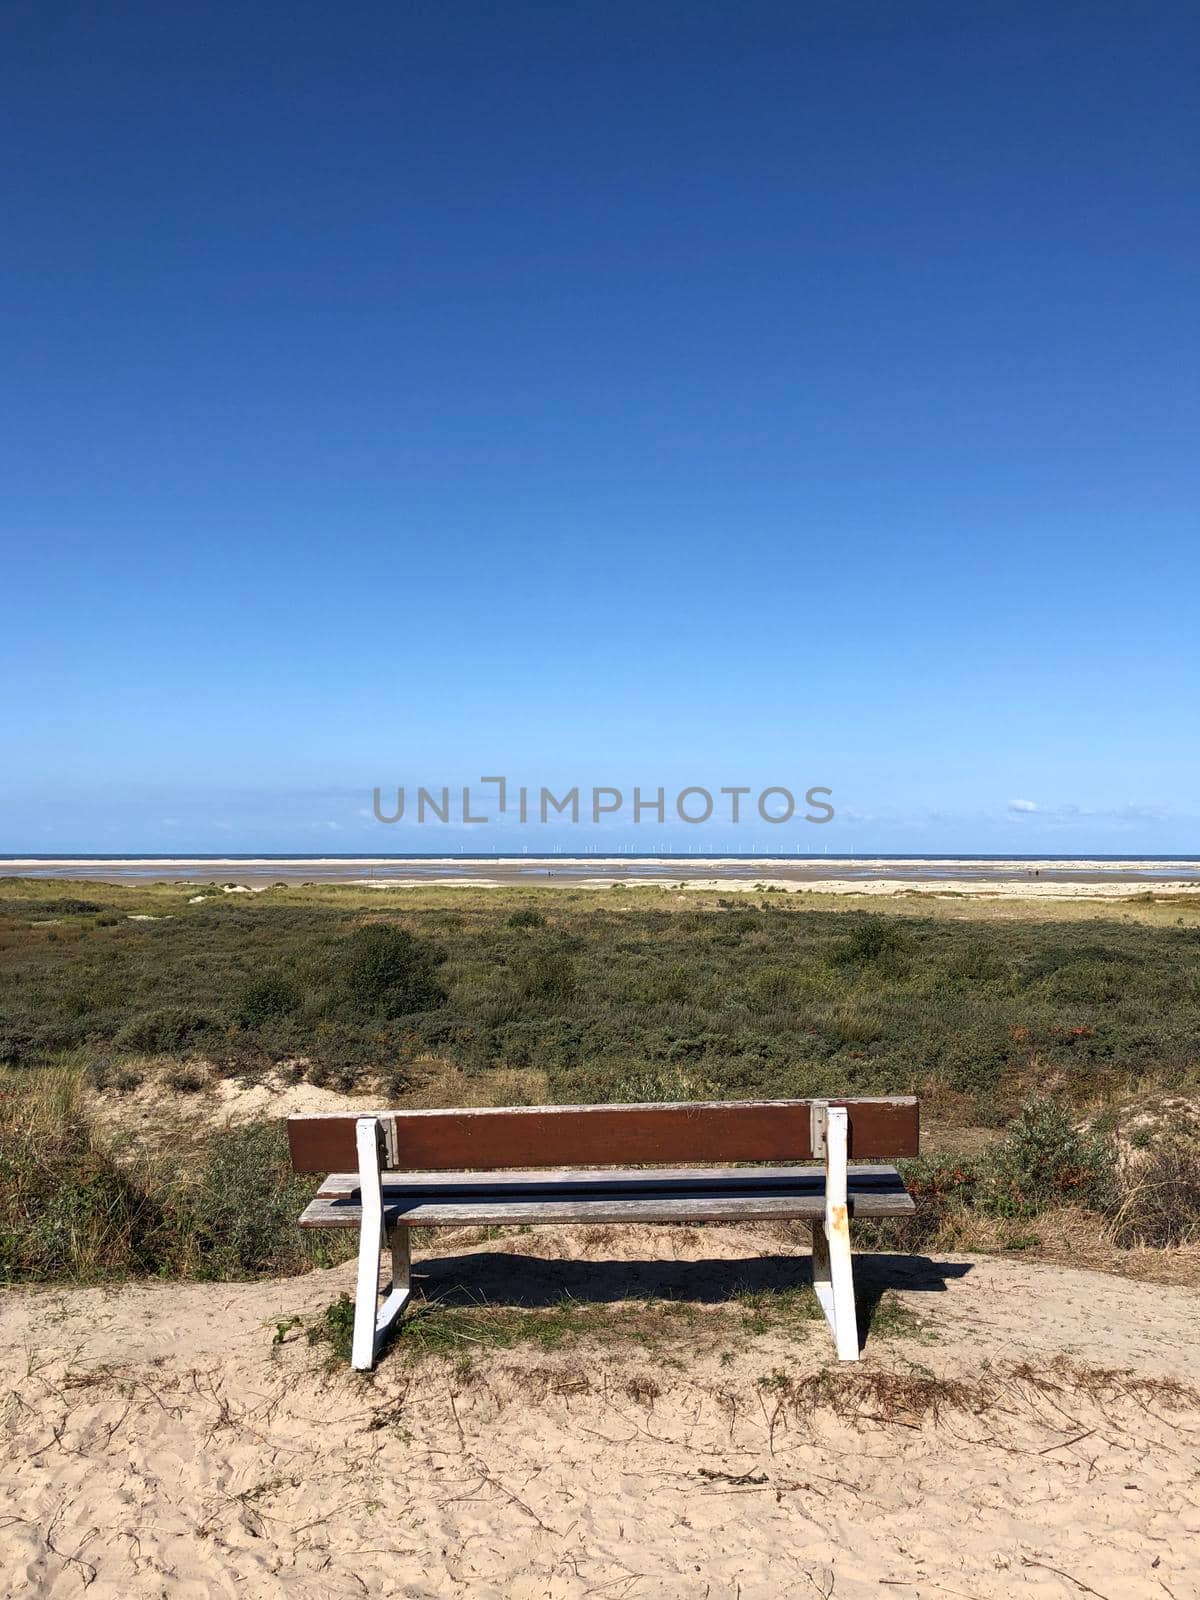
(573, 1136)
(496, 1213)
(463, 1207)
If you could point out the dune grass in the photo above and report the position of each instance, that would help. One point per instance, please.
(72, 1210)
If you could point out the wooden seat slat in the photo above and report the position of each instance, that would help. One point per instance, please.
(661, 1208)
(880, 1193)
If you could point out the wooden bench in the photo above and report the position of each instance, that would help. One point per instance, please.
(396, 1170)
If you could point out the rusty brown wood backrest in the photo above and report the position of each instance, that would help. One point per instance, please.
(594, 1136)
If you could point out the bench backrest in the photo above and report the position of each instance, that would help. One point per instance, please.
(596, 1136)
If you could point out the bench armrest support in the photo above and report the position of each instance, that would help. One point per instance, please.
(833, 1271)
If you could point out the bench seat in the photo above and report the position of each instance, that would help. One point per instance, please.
(607, 1195)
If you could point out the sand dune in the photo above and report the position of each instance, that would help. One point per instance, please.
(157, 1444)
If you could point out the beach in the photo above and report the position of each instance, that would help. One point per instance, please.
(1044, 878)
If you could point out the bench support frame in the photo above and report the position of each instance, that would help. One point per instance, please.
(832, 1266)
(372, 1321)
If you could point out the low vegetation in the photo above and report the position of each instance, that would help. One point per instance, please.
(77, 1206)
(633, 994)
(1043, 1162)
(461, 1332)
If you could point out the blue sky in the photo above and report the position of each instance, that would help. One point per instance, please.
(657, 394)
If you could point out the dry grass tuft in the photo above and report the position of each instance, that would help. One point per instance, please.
(1103, 1385)
(906, 1398)
(538, 1383)
(914, 1398)
(644, 1389)
(1160, 1207)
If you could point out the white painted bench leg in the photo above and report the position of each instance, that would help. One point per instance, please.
(833, 1271)
(820, 1268)
(401, 1261)
(401, 1288)
(371, 1320)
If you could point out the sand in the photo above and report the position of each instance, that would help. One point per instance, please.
(156, 1443)
(1029, 879)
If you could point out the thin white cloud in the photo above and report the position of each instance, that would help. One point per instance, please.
(1132, 811)
(1068, 814)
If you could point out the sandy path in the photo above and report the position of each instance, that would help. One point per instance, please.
(156, 1444)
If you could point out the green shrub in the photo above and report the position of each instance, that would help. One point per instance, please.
(265, 999)
(335, 1327)
(166, 1030)
(15, 1045)
(939, 1186)
(773, 984)
(342, 1053)
(977, 962)
(388, 972)
(871, 941)
(242, 1212)
(545, 975)
(100, 1072)
(734, 924)
(1046, 1161)
(1090, 982)
(526, 918)
(184, 1078)
(108, 1072)
(70, 1212)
